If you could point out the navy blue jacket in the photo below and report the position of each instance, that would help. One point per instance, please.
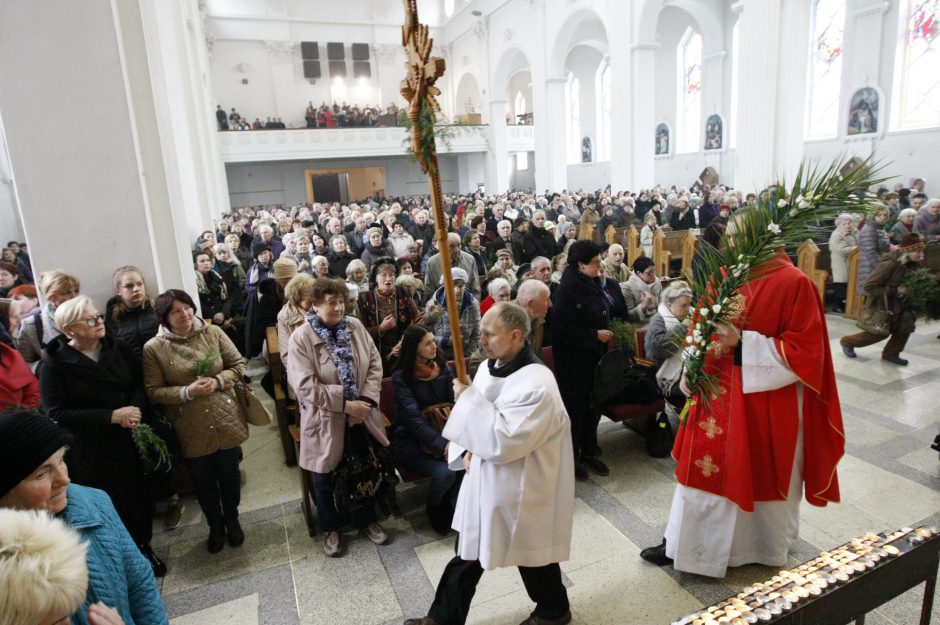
(410, 400)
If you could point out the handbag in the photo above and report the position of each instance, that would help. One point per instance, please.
(436, 415)
(364, 471)
(875, 320)
(619, 380)
(659, 436)
(252, 410)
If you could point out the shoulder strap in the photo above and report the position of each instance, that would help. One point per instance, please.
(37, 324)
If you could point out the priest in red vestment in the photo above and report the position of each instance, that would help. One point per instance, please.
(747, 457)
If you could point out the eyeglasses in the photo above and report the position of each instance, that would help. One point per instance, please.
(93, 320)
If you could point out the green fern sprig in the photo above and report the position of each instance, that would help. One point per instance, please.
(205, 363)
(147, 442)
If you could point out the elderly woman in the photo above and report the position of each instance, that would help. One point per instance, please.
(36, 331)
(386, 311)
(422, 379)
(662, 338)
(357, 277)
(227, 266)
(904, 225)
(298, 293)
(339, 257)
(842, 242)
(399, 240)
(580, 331)
(873, 243)
(642, 291)
(91, 384)
(884, 290)
(437, 319)
(191, 369)
(559, 264)
(336, 372)
(35, 477)
(650, 226)
(498, 290)
(375, 247)
(321, 267)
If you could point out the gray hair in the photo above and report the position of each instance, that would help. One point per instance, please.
(907, 212)
(511, 317)
(504, 221)
(934, 201)
(539, 259)
(265, 228)
(674, 291)
(496, 285)
(529, 290)
(71, 311)
(353, 266)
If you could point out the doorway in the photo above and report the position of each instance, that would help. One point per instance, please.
(331, 187)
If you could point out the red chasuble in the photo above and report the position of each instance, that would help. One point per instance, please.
(741, 446)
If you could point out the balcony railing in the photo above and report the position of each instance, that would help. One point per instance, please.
(277, 145)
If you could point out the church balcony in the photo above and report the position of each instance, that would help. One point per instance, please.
(329, 143)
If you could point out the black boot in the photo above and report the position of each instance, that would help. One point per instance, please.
(656, 555)
(158, 565)
(216, 538)
(235, 534)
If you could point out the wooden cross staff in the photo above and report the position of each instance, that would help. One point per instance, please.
(418, 88)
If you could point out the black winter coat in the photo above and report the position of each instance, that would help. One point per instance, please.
(538, 242)
(133, 327)
(80, 394)
(411, 399)
(579, 311)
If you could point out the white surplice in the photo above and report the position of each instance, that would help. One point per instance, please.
(516, 502)
(706, 533)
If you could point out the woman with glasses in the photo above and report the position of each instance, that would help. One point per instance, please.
(580, 333)
(92, 385)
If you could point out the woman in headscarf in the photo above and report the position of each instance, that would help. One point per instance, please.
(386, 311)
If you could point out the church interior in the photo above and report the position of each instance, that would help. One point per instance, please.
(130, 127)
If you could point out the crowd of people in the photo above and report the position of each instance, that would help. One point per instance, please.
(357, 294)
(334, 115)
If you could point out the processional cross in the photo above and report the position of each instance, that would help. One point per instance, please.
(419, 90)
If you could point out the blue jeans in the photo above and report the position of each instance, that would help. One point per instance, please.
(408, 453)
(218, 484)
(331, 519)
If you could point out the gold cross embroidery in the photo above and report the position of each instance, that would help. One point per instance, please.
(707, 466)
(711, 427)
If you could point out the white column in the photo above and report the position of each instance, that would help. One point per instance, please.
(551, 158)
(10, 227)
(642, 143)
(288, 105)
(757, 79)
(93, 193)
(497, 162)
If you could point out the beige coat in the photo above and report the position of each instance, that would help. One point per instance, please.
(840, 246)
(206, 424)
(315, 380)
(289, 319)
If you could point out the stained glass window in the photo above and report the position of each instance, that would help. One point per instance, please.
(603, 112)
(827, 23)
(573, 106)
(917, 74)
(689, 114)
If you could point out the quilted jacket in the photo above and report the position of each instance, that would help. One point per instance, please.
(118, 574)
(206, 424)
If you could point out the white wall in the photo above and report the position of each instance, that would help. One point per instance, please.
(583, 62)
(588, 176)
(283, 182)
(522, 178)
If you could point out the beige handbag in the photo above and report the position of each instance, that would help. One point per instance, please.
(875, 320)
(253, 411)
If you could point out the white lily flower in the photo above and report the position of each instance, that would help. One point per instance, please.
(703, 312)
(716, 308)
(782, 203)
(689, 340)
(774, 228)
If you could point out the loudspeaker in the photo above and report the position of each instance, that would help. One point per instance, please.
(337, 69)
(335, 51)
(362, 69)
(311, 69)
(360, 52)
(309, 50)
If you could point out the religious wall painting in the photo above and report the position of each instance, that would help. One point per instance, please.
(587, 154)
(713, 132)
(864, 112)
(662, 139)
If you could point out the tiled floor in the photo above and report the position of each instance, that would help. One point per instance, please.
(889, 477)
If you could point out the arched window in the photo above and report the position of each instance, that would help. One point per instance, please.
(573, 106)
(917, 68)
(689, 113)
(735, 57)
(519, 106)
(602, 83)
(827, 25)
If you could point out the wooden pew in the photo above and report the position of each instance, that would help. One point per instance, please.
(853, 300)
(307, 487)
(284, 408)
(634, 250)
(808, 257)
(661, 255)
(615, 235)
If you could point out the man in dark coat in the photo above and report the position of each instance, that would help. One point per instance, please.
(538, 241)
(220, 118)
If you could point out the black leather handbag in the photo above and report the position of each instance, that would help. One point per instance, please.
(364, 472)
